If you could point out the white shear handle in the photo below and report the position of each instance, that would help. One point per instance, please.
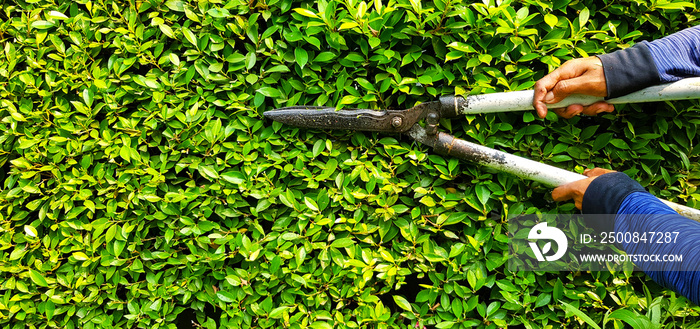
(522, 100)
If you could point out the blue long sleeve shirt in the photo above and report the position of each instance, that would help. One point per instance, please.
(674, 57)
(657, 217)
(639, 212)
(677, 56)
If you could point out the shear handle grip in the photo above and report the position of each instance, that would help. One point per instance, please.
(522, 100)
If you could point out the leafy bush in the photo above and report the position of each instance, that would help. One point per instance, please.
(142, 188)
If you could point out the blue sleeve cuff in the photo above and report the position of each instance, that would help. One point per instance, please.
(605, 195)
(629, 70)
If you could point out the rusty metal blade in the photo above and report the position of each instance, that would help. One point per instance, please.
(354, 119)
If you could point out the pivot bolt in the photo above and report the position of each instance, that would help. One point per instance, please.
(433, 118)
(432, 121)
(396, 122)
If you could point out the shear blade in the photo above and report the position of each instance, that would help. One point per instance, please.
(330, 118)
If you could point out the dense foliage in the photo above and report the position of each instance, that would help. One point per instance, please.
(142, 188)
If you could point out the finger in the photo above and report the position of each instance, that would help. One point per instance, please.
(573, 110)
(564, 192)
(568, 112)
(541, 88)
(597, 108)
(538, 99)
(595, 172)
(577, 85)
(574, 190)
(610, 108)
(570, 69)
(559, 111)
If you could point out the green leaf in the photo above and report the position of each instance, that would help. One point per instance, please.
(581, 315)
(189, 36)
(543, 299)
(558, 290)
(483, 193)
(226, 296)
(457, 308)
(635, 320)
(583, 17)
(349, 99)
(233, 177)
(299, 257)
(318, 147)
(445, 324)
(463, 47)
(250, 60)
(111, 233)
(30, 231)
(342, 243)
(402, 303)
(619, 144)
(310, 203)
(262, 205)
(125, 153)
(289, 236)
(325, 56)
(321, 325)
(428, 201)
(218, 12)
(286, 201)
(269, 92)
(80, 256)
(176, 5)
(17, 254)
(208, 171)
(278, 312)
(675, 5)
(306, 12)
(50, 309)
(278, 68)
(601, 141)
(347, 25)
(155, 306)
(57, 15)
(560, 158)
(174, 59)
(42, 25)
(531, 130)
(38, 279)
(88, 97)
(302, 57)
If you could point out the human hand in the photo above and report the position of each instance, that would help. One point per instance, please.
(577, 76)
(576, 190)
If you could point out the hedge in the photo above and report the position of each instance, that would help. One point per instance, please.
(141, 187)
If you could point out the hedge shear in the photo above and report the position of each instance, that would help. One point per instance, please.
(408, 122)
